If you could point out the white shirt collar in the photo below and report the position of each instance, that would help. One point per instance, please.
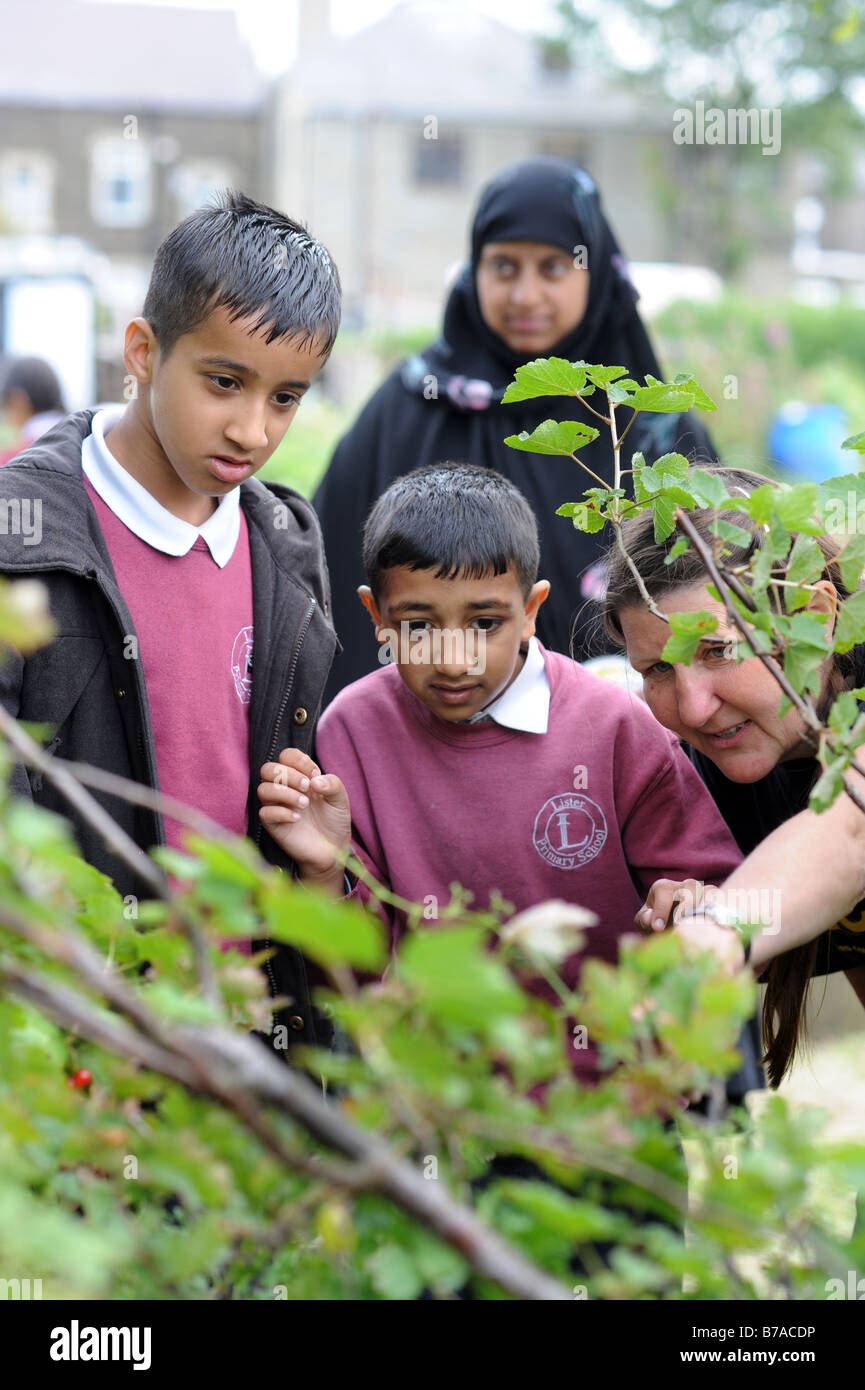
(138, 509)
(525, 705)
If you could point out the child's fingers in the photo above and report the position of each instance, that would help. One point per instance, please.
(277, 815)
(330, 788)
(292, 757)
(281, 775)
(279, 794)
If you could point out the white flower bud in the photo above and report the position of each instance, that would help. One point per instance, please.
(552, 930)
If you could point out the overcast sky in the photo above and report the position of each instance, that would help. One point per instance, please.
(270, 25)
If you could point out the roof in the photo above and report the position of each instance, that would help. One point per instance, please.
(438, 57)
(72, 53)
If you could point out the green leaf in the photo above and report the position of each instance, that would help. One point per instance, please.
(331, 933)
(726, 531)
(572, 1217)
(602, 376)
(707, 488)
(687, 632)
(851, 622)
(701, 400)
(855, 441)
(547, 376)
(851, 562)
(393, 1274)
(796, 507)
(810, 629)
(664, 513)
(841, 503)
(619, 392)
(681, 546)
(664, 509)
(553, 437)
(442, 1269)
(670, 470)
(456, 978)
(806, 561)
(662, 399)
(802, 664)
(584, 517)
(829, 785)
(844, 712)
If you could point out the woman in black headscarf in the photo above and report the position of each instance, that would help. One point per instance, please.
(546, 278)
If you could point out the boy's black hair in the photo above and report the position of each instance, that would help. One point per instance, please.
(455, 518)
(243, 256)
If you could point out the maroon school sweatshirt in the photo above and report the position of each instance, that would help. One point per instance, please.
(592, 811)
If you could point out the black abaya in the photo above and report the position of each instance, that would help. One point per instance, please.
(445, 404)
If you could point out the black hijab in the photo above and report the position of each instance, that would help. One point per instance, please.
(445, 403)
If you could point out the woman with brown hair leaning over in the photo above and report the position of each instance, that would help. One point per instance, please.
(760, 770)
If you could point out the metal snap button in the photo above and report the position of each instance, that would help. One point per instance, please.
(297, 1023)
(300, 715)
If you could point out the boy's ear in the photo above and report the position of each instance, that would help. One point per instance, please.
(366, 597)
(537, 595)
(140, 351)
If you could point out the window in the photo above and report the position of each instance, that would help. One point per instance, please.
(439, 160)
(27, 190)
(195, 182)
(121, 189)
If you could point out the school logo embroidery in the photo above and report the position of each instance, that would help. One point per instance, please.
(241, 664)
(570, 830)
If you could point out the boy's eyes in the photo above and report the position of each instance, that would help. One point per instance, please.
(419, 624)
(226, 383)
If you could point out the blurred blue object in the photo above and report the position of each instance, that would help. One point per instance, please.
(806, 440)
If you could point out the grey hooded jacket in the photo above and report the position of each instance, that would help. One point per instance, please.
(93, 694)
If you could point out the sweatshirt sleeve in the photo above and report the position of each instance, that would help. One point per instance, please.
(672, 828)
(337, 752)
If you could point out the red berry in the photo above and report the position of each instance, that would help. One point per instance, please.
(81, 1079)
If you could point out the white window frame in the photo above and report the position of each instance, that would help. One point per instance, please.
(114, 157)
(33, 212)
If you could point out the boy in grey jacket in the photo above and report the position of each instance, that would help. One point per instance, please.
(168, 563)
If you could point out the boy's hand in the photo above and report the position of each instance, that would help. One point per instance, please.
(669, 900)
(308, 816)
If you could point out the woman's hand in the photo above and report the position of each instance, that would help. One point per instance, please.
(669, 900)
(308, 815)
(701, 934)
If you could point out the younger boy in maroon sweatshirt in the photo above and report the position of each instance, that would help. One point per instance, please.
(478, 757)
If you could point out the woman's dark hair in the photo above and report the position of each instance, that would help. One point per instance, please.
(455, 518)
(784, 1014)
(38, 381)
(251, 260)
